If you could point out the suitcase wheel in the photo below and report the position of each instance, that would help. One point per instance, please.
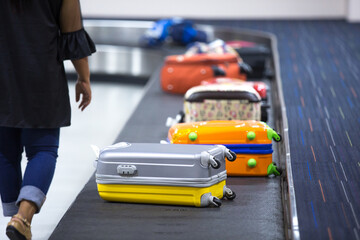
(229, 194)
(272, 134)
(216, 202)
(278, 138)
(273, 170)
(230, 155)
(209, 200)
(208, 160)
(215, 163)
(278, 170)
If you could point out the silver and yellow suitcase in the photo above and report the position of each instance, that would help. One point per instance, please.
(172, 174)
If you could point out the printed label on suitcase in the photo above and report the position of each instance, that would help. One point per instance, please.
(221, 110)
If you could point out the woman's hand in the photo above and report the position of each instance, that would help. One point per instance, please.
(83, 88)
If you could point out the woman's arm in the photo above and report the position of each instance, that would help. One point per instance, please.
(83, 82)
(70, 21)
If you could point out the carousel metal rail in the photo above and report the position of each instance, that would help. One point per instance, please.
(119, 54)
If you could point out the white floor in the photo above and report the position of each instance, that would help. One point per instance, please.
(99, 124)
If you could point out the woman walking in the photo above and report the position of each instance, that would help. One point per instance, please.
(35, 38)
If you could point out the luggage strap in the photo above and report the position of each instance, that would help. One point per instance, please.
(250, 148)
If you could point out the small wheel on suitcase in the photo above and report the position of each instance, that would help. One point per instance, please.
(231, 156)
(230, 197)
(229, 194)
(278, 139)
(215, 163)
(279, 170)
(273, 170)
(216, 202)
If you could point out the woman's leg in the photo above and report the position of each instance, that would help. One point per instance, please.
(41, 147)
(10, 168)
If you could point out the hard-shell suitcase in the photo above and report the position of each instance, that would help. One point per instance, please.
(222, 102)
(256, 55)
(250, 140)
(164, 174)
(181, 72)
(260, 87)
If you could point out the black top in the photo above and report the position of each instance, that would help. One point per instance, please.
(33, 85)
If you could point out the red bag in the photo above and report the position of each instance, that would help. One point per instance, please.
(181, 72)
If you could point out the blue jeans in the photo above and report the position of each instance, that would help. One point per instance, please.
(41, 147)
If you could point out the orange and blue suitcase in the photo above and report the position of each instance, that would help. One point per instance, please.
(172, 174)
(250, 140)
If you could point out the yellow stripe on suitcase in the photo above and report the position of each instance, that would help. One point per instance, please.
(170, 195)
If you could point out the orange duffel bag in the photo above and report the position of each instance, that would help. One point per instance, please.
(181, 72)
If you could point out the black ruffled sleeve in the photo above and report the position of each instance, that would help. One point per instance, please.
(75, 45)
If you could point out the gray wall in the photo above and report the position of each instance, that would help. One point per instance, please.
(232, 9)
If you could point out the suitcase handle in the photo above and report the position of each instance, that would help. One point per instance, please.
(218, 71)
(245, 68)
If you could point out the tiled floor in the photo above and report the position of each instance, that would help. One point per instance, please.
(99, 124)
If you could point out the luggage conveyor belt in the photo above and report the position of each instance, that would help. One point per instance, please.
(264, 207)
